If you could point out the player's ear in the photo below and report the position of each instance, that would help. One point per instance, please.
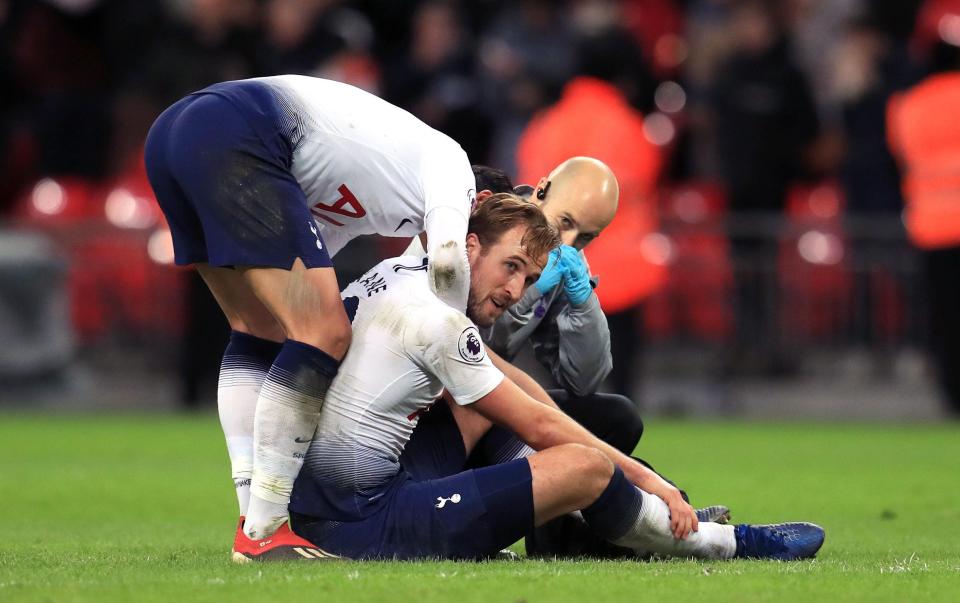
(483, 196)
(473, 245)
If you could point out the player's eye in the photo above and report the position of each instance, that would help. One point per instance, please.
(566, 223)
(512, 266)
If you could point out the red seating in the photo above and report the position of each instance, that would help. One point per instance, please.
(696, 300)
(813, 264)
(105, 229)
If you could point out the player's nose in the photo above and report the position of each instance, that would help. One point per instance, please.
(568, 237)
(515, 288)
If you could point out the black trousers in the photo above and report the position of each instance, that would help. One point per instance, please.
(942, 272)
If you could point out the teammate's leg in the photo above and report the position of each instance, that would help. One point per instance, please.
(256, 333)
(244, 208)
(254, 344)
(306, 302)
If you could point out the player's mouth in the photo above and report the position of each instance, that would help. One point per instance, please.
(500, 304)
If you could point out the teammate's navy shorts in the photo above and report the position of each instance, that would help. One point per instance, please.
(470, 515)
(219, 162)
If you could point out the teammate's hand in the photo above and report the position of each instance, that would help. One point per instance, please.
(683, 519)
(576, 277)
(552, 273)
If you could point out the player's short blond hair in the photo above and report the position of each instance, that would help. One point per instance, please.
(502, 212)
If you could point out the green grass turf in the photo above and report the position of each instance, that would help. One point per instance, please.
(141, 508)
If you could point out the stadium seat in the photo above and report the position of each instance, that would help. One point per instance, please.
(813, 266)
(695, 302)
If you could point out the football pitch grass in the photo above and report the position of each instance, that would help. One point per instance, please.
(141, 508)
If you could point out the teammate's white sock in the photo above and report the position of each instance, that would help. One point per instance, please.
(242, 371)
(650, 533)
(632, 518)
(286, 418)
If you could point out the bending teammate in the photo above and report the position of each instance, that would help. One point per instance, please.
(354, 498)
(262, 182)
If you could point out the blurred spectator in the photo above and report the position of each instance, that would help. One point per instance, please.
(62, 73)
(436, 78)
(657, 26)
(764, 114)
(571, 127)
(925, 135)
(206, 41)
(526, 55)
(764, 120)
(869, 66)
(817, 29)
(303, 36)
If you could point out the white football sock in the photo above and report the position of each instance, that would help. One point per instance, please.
(651, 533)
(286, 419)
(238, 389)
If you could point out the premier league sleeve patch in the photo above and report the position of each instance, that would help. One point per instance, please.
(471, 348)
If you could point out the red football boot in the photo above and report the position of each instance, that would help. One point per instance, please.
(283, 545)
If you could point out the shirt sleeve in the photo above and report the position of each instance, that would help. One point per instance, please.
(449, 347)
(449, 194)
(573, 342)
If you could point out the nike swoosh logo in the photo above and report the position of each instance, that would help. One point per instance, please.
(299, 440)
(402, 222)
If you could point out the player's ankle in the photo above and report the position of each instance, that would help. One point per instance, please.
(263, 517)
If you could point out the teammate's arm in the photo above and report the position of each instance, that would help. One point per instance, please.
(448, 191)
(449, 270)
(541, 427)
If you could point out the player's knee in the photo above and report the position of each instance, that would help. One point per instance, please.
(339, 336)
(332, 334)
(590, 467)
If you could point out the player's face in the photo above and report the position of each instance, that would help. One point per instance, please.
(499, 274)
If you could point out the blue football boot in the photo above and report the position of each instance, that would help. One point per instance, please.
(784, 541)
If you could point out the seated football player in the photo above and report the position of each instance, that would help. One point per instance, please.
(353, 498)
(561, 318)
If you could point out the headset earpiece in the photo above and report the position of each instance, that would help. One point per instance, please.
(542, 192)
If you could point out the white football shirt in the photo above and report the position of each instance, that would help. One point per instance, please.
(369, 167)
(407, 346)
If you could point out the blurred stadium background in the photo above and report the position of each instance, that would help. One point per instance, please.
(779, 278)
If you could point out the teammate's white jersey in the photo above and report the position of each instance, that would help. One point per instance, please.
(407, 346)
(366, 166)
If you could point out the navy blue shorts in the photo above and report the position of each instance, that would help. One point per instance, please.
(435, 448)
(470, 515)
(219, 163)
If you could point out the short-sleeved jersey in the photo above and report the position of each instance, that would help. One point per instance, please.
(407, 347)
(366, 166)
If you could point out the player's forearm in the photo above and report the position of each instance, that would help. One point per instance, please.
(564, 430)
(524, 381)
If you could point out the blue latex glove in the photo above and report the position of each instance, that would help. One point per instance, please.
(576, 277)
(552, 274)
